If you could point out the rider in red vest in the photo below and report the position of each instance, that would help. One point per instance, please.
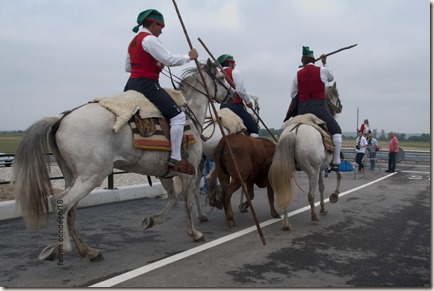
(310, 84)
(236, 105)
(145, 60)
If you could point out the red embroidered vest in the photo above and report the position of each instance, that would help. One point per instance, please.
(310, 85)
(229, 73)
(142, 63)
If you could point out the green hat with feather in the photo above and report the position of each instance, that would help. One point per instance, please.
(223, 58)
(151, 15)
(307, 52)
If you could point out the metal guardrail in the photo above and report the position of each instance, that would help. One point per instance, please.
(410, 156)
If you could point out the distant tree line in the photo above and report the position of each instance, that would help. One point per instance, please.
(383, 136)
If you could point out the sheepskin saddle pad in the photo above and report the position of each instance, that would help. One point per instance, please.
(317, 123)
(150, 128)
(231, 121)
(126, 104)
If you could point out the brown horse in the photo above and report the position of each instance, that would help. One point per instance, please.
(253, 157)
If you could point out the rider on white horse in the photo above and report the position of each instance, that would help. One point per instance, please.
(145, 60)
(237, 106)
(309, 84)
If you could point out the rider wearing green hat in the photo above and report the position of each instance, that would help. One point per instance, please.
(309, 85)
(228, 63)
(145, 59)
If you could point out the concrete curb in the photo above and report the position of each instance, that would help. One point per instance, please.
(9, 209)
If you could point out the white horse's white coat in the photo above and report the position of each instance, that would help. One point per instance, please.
(87, 150)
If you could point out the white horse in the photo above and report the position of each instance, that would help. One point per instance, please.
(303, 144)
(87, 150)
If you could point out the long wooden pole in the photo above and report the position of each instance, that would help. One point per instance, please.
(233, 85)
(255, 218)
(332, 53)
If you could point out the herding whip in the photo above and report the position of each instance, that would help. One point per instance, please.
(221, 129)
(233, 85)
(332, 53)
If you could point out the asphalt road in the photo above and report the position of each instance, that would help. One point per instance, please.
(377, 235)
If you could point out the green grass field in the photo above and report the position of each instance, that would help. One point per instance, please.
(9, 143)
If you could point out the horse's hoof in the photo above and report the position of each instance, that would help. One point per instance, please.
(199, 237)
(323, 211)
(314, 218)
(203, 218)
(49, 253)
(286, 226)
(334, 198)
(148, 222)
(95, 256)
(243, 207)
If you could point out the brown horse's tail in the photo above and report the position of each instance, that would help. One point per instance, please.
(282, 170)
(31, 173)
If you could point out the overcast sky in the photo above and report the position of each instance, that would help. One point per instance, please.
(56, 55)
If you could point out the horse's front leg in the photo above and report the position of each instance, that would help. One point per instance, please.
(188, 188)
(200, 215)
(335, 196)
(160, 217)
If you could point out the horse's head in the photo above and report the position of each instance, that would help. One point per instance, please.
(255, 102)
(332, 99)
(216, 84)
(219, 88)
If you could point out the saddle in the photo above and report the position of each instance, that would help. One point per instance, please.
(154, 133)
(318, 124)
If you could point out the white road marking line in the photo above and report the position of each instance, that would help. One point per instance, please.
(161, 263)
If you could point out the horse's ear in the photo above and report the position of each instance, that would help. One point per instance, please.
(209, 63)
(334, 85)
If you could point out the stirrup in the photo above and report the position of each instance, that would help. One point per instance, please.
(333, 168)
(182, 166)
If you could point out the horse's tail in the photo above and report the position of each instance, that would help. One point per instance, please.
(282, 170)
(31, 173)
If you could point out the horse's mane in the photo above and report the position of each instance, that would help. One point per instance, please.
(189, 74)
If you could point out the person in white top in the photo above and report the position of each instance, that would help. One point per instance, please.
(236, 105)
(145, 59)
(361, 145)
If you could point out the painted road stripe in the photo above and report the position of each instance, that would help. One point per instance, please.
(153, 266)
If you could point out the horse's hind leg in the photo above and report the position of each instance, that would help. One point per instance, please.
(62, 204)
(313, 180)
(83, 249)
(245, 205)
(321, 187)
(270, 194)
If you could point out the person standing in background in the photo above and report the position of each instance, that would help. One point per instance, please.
(365, 127)
(393, 151)
(361, 145)
(372, 149)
